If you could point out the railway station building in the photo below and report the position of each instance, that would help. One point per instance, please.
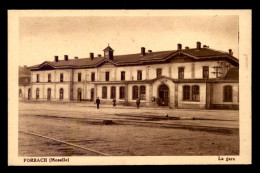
(198, 77)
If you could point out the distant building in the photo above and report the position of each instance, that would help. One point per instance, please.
(24, 83)
(199, 77)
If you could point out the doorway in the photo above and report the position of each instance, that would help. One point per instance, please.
(29, 94)
(92, 94)
(79, 98)
(163, 95)
(49, 94)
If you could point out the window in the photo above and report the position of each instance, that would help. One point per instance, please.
(142, 93)
(195, 93)
(49, 77)
(181, 73)
(206, 72)
(61, 77)
(158, 72)
(135, 92)
(139, 75)
(37, 93)
(37, 78)
(228, 93)
(122, 75)
(186, 92)
(107, 76)
(122, 92)
(113, 92)
(92, 76)
(79, 77)
(61, 93)
(104, 92)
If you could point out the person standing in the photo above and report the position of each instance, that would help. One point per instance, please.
(138, 103)
(97, 102)
(114, 102)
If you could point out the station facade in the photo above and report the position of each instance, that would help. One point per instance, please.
(198, 77)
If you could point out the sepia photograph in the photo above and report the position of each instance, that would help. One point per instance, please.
(128, 87)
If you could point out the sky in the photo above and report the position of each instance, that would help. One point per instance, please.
(41, 38)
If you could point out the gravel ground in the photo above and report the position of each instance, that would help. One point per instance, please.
(128, 136)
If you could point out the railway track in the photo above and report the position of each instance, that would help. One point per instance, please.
(67, 143)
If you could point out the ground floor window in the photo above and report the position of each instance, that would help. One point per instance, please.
(228, 93)
(104, 92)
(61, 93)
(20, 93)
(113, 92)
(142, 93)
(37, 93)
(122, 92)
(195, 93)
(135, 92)
(191, 93)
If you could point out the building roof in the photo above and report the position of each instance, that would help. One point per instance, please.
(233, 73)
(137, 59)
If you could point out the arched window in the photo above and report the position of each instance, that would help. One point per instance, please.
(113, 92)
(142, 93)
(195, 93)
(135, 92)
(186, 92)
(61, 93)
(104, 92)
(122, 92)
(228, 93)
(37, 93)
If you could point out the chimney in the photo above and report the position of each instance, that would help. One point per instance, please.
(91, 55)
(179, 46)
(198, 45)
(150, 51)
(76, 57)
(230, 51)
(56, 58)
(99, 55)
(186, 47)
(142, 51)
(66, 57)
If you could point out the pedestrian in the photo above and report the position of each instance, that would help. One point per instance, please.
(97, 102)
(114, 102)
(138, 103)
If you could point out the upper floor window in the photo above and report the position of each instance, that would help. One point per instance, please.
(228, 93)
(122, 75)
(79, 77)
(135, 92)
(181, 73)
(122, 92)
(142, 93)
(113, 92)
(158, 72)
(206, 72)
(195, 93)
(38, 78)
(93, 76)
(61, 93)
(49, 77)
(139, 75)
(61, 77)
(107, 76)
(104, 92)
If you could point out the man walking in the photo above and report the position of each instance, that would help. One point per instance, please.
(114, 103)
(97, 102)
